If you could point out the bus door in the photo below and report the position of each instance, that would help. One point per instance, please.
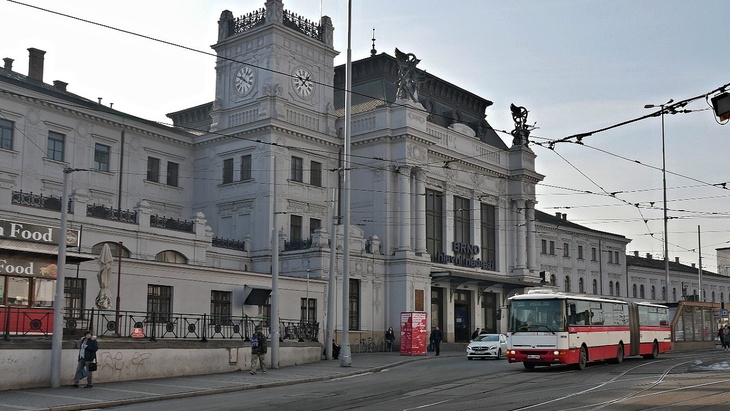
(634, 331)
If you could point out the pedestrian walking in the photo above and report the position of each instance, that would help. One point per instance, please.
(389, 339)
(725, 338)
(258, 350)
(476, 333)
(87, 356)
(436, 338)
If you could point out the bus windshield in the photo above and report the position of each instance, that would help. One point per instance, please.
(536, 315)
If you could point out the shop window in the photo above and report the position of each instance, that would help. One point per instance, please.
(354, 304)
(74, 291)
(18, 290)
(159, 303)
(43, 292)
(220, 307)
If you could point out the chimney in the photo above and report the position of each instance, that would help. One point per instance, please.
(35, 66)
(676, 260)
(8, 63)
(559, 215)
(693, 265)
(636, 253)
(648, 256)
(565, 216)
(61, 85)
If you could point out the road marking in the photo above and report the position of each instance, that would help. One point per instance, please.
(426, 405)
(350, 376)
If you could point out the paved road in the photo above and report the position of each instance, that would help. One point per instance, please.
(389, 381)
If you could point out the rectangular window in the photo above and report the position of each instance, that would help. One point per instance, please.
(7, 129)
(295, 228)
(314, 224)
(228, 171)
(308, 311)
(173, 170)
(489, 235)
(462, 222)
(610, 257)
(552, 248)
(580, 252)
(101, 157)
(159, 303)
(74, 291)
(615, 257)
(220, 307)
(594, 254)
(153, 169)
(297, 169)
(315, 174)
(434, 222)
(246, 167)
(566, 250)
(354, 300)
(543, 245)
(56, 145)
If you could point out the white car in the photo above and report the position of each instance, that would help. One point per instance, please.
(487, 346)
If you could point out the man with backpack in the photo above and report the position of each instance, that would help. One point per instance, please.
(258, 350)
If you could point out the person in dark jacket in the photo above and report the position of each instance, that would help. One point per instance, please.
(476, 333)
(87, 354)
(258, 350)
(389, 339)
(436, 338)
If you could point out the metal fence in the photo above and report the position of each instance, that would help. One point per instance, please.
(27, 321)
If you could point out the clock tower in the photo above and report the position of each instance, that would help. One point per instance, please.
(271, 61)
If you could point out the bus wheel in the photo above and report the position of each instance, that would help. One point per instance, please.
(654, 352)
(619, 355)
(529, 365)
(582, 359)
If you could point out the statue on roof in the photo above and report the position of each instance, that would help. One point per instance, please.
(522, 131)
(407, 76)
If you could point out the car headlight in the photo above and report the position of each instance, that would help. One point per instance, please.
(468, 347)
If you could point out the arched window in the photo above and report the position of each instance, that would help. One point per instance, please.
(635, 294)
(567, 284)
(618, 290)
(595, 286)
(113, 247)
(171, 256)
(553, 280)
(610, 288)
(722, 296)
(674, 294)
(664, 293)
(641, 291)
(581, 286)
(713, 296)
(653, 292)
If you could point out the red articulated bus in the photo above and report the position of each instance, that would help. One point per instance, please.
(547, 327)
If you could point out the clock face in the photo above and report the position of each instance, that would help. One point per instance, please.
(303, 82)
(244, 80)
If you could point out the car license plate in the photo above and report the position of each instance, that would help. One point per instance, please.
(533, 357)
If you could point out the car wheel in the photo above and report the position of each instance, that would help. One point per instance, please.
(654, 352)
(499, 354)
(469, 358)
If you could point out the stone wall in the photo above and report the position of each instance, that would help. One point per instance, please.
(30, 364)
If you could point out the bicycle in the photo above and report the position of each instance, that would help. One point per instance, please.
(367, 345)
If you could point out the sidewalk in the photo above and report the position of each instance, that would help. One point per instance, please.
(104, 395)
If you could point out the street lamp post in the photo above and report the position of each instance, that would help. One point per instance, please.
(664, 191)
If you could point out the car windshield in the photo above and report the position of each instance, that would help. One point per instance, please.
(487, 337)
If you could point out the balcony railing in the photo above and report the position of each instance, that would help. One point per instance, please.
(298, 244)
(229, 244)
(108, 213)
(171, 223)
(38, 201)
(26, 321)
(299, 23)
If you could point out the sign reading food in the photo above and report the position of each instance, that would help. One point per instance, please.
(13, 230)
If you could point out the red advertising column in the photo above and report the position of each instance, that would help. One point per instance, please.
(413, 333)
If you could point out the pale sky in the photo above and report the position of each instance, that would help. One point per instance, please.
(577, 66)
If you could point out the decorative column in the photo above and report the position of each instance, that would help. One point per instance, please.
(531, 236)
(420, 196)
(404, 186)
(521, 234)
